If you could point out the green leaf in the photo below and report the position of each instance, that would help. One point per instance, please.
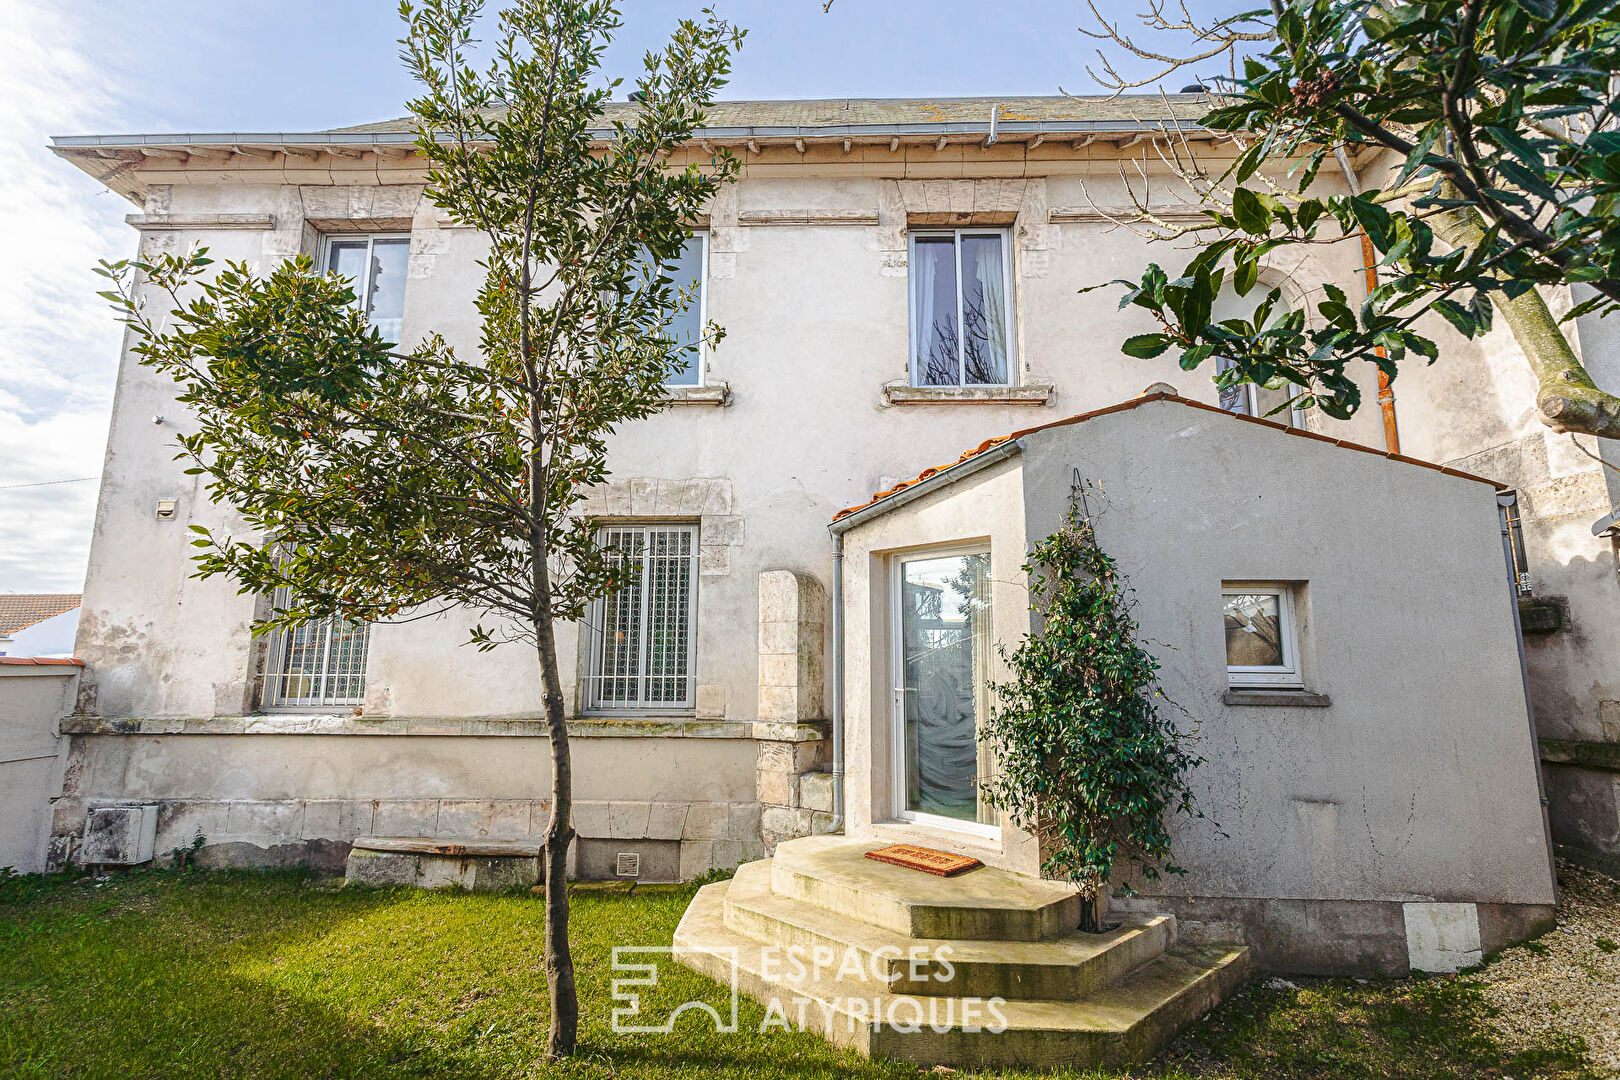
(1146, 346)
(1250, 212)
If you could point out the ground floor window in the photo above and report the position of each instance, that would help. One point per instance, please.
(642, 638)
(322, 663)
(1262, 639)
(942, 636)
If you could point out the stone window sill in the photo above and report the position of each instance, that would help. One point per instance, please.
(1298, 699)
(900, 394)
(714, 397)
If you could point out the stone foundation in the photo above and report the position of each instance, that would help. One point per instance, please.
(1369, 938)
(277, 791)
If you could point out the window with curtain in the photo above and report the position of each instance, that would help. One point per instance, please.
(961, 308)
(1262, 640)
(317, 665)
(642, 638)
(689, 272)
(377, 266)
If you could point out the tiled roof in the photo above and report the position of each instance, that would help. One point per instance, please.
(1124, 406)
(42, 661)
(891, 112)
(18, 611)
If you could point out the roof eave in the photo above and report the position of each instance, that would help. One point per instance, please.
(916, 490)
(317, 139)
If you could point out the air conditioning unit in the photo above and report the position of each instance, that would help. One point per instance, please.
(119, 835)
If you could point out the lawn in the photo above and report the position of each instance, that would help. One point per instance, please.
(237, 974)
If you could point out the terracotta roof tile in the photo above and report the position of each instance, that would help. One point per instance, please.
(1132, 403)
(18, 611)
(43, 661)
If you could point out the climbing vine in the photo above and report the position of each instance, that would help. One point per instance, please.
(1085, 759)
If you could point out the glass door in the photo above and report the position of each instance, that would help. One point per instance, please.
(942, 639)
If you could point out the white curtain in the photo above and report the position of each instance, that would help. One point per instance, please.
(987, 341)
(922, 290)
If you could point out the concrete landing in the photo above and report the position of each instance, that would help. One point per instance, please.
(851, 973)
(982, 904)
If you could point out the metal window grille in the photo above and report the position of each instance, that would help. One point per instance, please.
(643, 636)
(320, 663)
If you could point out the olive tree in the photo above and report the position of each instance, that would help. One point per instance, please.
(378, 482)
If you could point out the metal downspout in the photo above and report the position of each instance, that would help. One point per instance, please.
(1505, 499)
(837, 823)
(1369, 271)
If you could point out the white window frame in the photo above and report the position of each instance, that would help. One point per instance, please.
(897, 711)
(961, 337)
(1286, 676)
(596, 630)
(362, 289)
(702, 236)
(275, 680)
(1251, 403)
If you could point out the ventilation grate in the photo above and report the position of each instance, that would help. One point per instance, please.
(628, 864)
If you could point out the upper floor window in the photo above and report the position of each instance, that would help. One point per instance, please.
(961, 308)
(690, 271)
(377, 266)
(642, 638)
(1251, 399)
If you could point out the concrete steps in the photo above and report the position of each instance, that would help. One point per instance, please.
(984, 904)
(814, 934)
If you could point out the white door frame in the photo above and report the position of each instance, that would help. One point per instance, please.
(897, 714)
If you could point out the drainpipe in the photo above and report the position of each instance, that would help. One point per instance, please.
(1369, 270)
(837, 823)
(1504, 501)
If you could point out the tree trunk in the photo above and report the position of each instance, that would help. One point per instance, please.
(559, 836)
(1091, 907)
(1567, 398)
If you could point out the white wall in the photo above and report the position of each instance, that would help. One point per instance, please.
(32, 699)
(49, 637)
(817, 322)
(1419, 782)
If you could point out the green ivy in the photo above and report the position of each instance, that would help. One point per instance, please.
(1085, 760)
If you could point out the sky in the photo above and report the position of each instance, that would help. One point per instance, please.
(73, 67)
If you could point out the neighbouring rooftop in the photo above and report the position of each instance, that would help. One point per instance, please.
(19, 611)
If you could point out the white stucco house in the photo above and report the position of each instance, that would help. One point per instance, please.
(897, 288)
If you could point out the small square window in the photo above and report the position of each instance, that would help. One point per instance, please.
(1262, 636)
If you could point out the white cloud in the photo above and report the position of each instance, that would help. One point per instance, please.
(58, 342)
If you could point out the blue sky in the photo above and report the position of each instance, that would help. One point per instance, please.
(92, 66)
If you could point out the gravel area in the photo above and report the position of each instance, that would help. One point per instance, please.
(1568, 980)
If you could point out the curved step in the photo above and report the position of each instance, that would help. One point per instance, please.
(1125, 1022)
(984, 904)
(1065, 968)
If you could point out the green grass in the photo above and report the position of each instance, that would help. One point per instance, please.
(236, 974)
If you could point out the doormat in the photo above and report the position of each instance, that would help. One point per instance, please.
(929, 861)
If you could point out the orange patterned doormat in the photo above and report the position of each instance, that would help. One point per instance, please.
(929, 861)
